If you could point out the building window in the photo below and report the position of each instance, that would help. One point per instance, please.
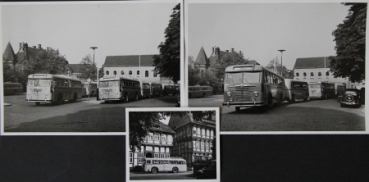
(140, 156)
(194, 131)
(156, 155)
(319, 73)
(161, 155)
(297, 74)
(156, 137)
(327, 73)
(304, 74)
(130, 157)
(188, 131)
(146, 73)
(115, 72)
(311, 73)
(163, 139)
(107, 72)
(202, 146)
(138, 72)
(130, 72)
(122, 72)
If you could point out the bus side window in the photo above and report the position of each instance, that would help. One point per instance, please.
(171, 162)
(180, 162)
(175, 162)
(148, 161)
(155, 162)
(161, 162)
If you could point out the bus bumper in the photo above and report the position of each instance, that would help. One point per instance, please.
(244, 104)
(33, 100)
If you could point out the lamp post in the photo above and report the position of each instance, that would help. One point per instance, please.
(281, 50)
(93, 61)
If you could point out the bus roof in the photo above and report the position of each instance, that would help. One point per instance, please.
(116, 78)
(248, 68)
(41, 75)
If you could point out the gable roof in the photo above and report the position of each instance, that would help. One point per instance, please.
(312, 62)
(9, 54)
(129, 61)
(32, 53)
(214, 58)
(201, 57)
(179, 121)
(163, 128)
(76, 68)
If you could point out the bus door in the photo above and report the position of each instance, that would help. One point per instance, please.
(166, 165)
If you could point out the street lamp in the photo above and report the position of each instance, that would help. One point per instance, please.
(93, 61)
(281, 50)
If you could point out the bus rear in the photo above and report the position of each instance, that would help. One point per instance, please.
(39, 88)
(145, 89)
(109, 89)
(315, 90)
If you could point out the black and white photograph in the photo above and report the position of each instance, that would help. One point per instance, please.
(173, 144)
(278, 67)
(75, 67)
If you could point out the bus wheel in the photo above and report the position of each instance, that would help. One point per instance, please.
(293, 99)
(325, 96)
(204, 95)
(175, 170)
(60, 99)
(136, 96)
(237, 109)
(37, 103)
(306, 98)
(126, 98)
(270, 101)
(342, 105)
(154, 170)
(74, 98)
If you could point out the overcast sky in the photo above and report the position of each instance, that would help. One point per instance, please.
(119, 28)
(260, 29)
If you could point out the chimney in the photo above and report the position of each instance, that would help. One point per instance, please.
(39, 46)
(232, 50)
(25, 49)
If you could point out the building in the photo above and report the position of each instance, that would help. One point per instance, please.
(194, 139)
(133, 66)
(158, 143)
(316, 69)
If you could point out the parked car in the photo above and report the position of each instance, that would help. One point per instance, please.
(208, 172)
(351, 97)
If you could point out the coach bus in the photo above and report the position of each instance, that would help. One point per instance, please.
(89, 89)
(155, 89)
(145, 89)
(53, 88)
(295, 89)
(156, 165)
(252, 85)
(119, 89)
(321, 90)
(199, 91)
(12, 88)
(170, 89)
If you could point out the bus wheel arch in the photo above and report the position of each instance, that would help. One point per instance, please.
(37, 103)
(175, 170)
(154, 170)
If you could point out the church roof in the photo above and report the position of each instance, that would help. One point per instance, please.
(9, 54)
(201, 57)
(312, 62)
(162, 128)
(129, 61)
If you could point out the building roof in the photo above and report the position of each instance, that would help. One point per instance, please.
(201, 57)
(312, 62)
(32, 53)
(214, 58)
(76, 68)
(9, 54)
(179, 121)
(162, 128)
(129, 61)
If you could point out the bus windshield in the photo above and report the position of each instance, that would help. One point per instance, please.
(245, 77)
(314, 86)
(103, 84)
(39, 83)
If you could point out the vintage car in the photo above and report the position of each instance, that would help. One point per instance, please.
(351, 97)
(208, 172)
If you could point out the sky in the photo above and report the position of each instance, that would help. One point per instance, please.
(259, 30)
(116, 28)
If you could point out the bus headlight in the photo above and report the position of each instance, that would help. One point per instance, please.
(229, 94)
(256, 93)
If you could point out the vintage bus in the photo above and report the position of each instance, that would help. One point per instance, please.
(119, 89)
(53, 88)
(12, 88)
(155, 89)
(89, 89)
(321, 90)
(156, 165)
(169, 89)
(199, 91)
(295, 89)
(145, 89)
(252, 85)
(340, 89)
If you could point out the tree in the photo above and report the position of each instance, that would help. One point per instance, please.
(274, 66)
(49, 61)
(141, 122)
(167, 63)
(350, 44)
(227, 60)
(8, 73)
(88, 68)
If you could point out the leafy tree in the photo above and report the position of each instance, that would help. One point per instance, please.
(49, 61)
(167, 63)
(88, 68)
(8, 73)
(141, 122)
(274, 64)
(350, 44)
(227, 60)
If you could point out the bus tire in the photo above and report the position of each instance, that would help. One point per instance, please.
(154, 170)
(306, 98)
(237, 109)
(74, 97)
(60, 99)
(126, 97)
(37, 103)
(204, 95)
(293, 99)
(136, 97)
(270, 101)
(175, 170)
(325, 97)
(342, 105)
